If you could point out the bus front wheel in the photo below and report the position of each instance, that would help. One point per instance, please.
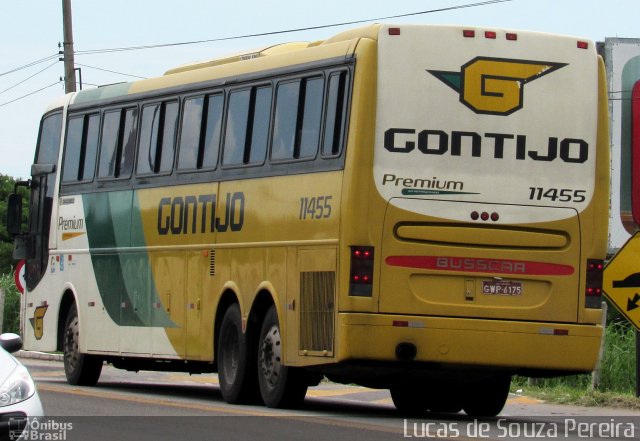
(280, 385)
(236, 366)
(80, 369)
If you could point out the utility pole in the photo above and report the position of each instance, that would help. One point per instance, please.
(67, 46)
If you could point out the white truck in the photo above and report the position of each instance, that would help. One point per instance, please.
(622, 61)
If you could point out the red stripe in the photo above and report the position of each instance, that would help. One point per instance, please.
(473, 265)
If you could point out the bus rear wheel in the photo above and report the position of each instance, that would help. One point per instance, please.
(236, 362)
(80, 369)
(487, 398)
(409, 400)
(280, 385)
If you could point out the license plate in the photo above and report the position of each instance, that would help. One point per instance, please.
(501, 287)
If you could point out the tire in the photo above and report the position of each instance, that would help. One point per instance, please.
(80, 369)
(280, 386)
(236, 362)
(487, 398)
(409, 401)
(416, 400)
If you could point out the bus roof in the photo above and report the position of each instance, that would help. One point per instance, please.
(270, 57)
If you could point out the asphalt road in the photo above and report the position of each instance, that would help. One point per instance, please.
(174, 406)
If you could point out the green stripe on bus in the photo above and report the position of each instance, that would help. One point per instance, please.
(124, 277)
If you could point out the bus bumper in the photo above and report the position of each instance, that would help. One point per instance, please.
(522, 346)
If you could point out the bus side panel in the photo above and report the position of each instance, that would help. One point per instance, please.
(281, 231)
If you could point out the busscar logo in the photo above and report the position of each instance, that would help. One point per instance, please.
(495, 86)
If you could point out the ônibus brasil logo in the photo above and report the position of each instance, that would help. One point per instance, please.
(494, 86)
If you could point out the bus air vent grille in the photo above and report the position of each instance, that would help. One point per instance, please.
(317, 293)
(212, 263)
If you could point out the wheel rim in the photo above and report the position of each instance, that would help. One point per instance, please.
(71, 351)
(271, 356)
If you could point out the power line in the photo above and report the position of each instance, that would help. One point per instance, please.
(29, 77)
(29, 94)
(33, 63)
(110, 71)
(263, 34)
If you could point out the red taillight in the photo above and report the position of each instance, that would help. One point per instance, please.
(394, 31)
(512, 36)
(635, 153)
(593, 294)
(490, 34)
(469, 33)
(583, 45)
(361, 275)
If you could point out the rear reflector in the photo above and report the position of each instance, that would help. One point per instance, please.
(511, 36)
(554, 331)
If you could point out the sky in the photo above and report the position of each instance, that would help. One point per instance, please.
(30, 31)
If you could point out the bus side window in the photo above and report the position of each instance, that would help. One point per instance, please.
(298, 116)
(309, 133)
(335, 114)
(211, 146)
(236, 130)
(259, 130)
(81, 148)
(157, 138)
(72, 149)
(285, 120)
(117, 144)
(200, 135)
(247, 131)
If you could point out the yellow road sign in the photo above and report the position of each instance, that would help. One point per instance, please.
(621, 280)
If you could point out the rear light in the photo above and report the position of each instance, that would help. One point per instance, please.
(469, 33)
(593, 294)
(512, 36)
(361, 275)
(394, 31)
(583, 45)
(490, 34)
(635, 153)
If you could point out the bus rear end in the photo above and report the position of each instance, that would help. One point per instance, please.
(488, 214)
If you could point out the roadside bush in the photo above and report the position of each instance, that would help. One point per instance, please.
(617, 368)
(11, 321)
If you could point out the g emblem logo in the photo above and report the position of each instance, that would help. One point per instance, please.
(37, 321)
(494, 86)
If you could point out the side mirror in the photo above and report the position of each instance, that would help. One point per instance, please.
(11, 342)
(42, 169)
(14, 214)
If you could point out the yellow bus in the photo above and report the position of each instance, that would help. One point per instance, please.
(411, 207)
